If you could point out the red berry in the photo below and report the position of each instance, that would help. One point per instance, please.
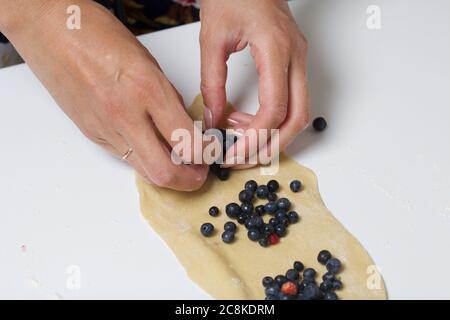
(274, 238)
(289, 288)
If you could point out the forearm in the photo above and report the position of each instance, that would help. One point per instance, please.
(15, 15)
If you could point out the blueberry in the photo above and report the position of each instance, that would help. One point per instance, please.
(312, 292)
(232, 210)
(293, 217)
(223, 174)
(273, 222)
(309, 273)
(280, 231)
(324, 256)
(259, 210)
(254, 234)
(264, 242)
(337, 284)
(230, 226)
(251, 186)
(280, 214)
(254, 221)
(283, 204)
(228, 236)
(319, 124)
(295, 186)
(262, 192)
(270, 207)
(213, 211)
(271, 297)
(283, 296)
(273, 185)
(328, 276)
(326, 286)
(272, 196)
(241, 218)
(333, 265)
(268, 229)
(245, 196)
(259, 222)
(280, 280)
(298, 266)
(267, 281)
(272, 290)
(292, 274)
(302, 285)
(284, 222)
(247, 207)
(207, 229)
(330, 295)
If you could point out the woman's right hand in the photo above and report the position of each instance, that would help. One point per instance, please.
(107, 83)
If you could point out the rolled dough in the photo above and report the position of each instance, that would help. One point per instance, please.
(235, 271)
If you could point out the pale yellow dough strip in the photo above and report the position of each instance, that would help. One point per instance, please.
(235, 271)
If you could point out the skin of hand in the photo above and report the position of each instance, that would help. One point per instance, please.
(279, 50)
(107, 83)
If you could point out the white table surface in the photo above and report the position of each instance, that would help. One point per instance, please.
(383, 164)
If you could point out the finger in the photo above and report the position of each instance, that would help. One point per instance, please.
(214, 58)
(298, 112)
(239, 119)
(155, 159)
(169, 115)
(272, 65)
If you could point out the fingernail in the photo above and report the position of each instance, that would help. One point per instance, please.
(232, 122)
(207, 117)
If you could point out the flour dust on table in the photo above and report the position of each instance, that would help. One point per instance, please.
(235, 270)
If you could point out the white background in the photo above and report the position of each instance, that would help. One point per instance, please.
(383, 164)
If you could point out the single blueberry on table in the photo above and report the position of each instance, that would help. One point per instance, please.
(295, 186)
(230, 226)
(262, 192)
(272, 196)
(293, 217)
(213, 211)
(207, 229)
(280, 280)
(283, 204)
(309, 273)
(292, 274)
(251, 186)
(270, 207)
(333, 265)
(330, 295)
(232, 210)
(267, 281)
(245, 196)
(254, 234)
(324, 256)
(228, 236)
(247, 207)
(299, 266)
(264, 242)
(259, 210)
(273, 185)
(319, 124)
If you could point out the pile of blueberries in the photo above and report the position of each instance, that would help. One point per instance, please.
(265, 233)
(300, 284)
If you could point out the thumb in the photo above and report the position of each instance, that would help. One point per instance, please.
(213, 79)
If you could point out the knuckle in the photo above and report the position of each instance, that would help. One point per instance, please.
(279, 113)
